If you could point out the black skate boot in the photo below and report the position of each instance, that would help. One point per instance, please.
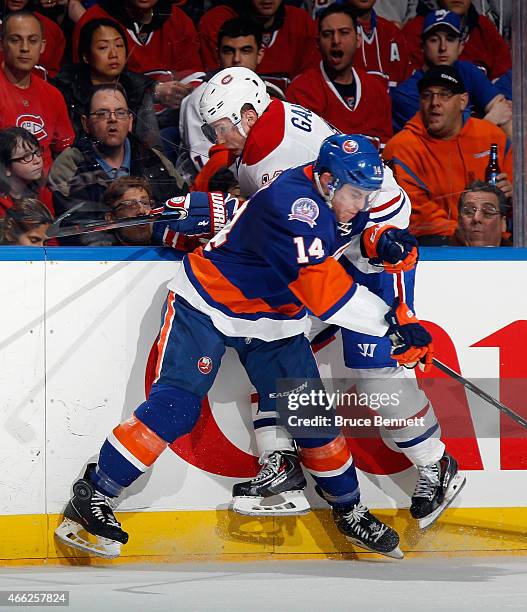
(367, 531)
(279, 483)
(90, 511)
(437, 486)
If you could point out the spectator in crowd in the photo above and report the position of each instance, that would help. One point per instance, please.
(483, 45)
(105, 151)
(21, 169)
(289, 37)
(103, 50)
(162, 43)
(349, 98)
(442, 45)
(498, 11)
(482, 220)
(437, 154)
(384, 50)
(25, 100)
(51, 57)
(397, 11)
(239, 44)
(129, 196)
(26, 224)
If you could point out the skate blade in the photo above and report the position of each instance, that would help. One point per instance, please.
(454, 488)
(68, 533)
(288, 503)
(396, 553)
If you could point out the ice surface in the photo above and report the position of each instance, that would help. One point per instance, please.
(481, 583)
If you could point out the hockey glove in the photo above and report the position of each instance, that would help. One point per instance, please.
(387, 245)
(208, 213)
(411, 342)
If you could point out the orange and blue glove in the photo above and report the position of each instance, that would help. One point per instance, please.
(411, 342)
(393, 248)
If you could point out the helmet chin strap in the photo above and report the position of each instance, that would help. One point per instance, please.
(327, 197)
(240, 129)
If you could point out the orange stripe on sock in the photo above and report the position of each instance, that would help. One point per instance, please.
(164, 333)
(326, 458)
(138, 439)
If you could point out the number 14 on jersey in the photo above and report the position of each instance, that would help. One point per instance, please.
(315, 250)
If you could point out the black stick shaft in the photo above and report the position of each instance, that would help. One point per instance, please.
(479, 392)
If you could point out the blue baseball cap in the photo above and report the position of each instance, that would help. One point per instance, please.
(442, 18)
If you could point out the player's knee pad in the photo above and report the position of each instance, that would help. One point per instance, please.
(169, 412)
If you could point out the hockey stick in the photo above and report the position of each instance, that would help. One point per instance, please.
(479, 392)
(56, 231)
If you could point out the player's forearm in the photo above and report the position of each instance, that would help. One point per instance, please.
(364, 312)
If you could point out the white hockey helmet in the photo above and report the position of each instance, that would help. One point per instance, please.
(228, 91)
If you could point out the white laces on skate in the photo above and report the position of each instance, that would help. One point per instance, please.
(427, 482)
(96, 502)
(270, 466)
(355, 516)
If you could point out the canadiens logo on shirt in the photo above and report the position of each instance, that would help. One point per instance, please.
(305, 210)
(350, 101)
(34, 124)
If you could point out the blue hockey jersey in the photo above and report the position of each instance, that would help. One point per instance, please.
(272, 264)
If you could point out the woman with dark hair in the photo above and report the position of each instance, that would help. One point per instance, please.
(103, 51)
(21, 169)
(26, 224)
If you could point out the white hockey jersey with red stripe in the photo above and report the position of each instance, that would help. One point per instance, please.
(286, 135)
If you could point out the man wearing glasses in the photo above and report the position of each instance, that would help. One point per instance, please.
(105, 151)
(438, 153)
(482, 217)
(443, 42)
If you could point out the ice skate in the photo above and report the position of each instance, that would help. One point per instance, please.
(277, 490)
(437, 486)
(90, 511)
(366, 531)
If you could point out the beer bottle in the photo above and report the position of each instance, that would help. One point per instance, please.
(492, 170)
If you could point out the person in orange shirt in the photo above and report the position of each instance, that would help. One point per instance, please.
(438, 154)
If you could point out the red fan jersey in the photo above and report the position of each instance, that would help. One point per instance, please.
(368, 113)
(290, 48)
(44, 195)
(174, 45)
(383, 51)
(484, 46)
(41, 110)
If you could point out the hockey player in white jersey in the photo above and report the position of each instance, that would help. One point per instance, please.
(270, 136)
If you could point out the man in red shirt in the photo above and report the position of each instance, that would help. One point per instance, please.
(347, 97)
(289, 37)
(26, 100)
(483, 44)
(384, 50)
(50, 60)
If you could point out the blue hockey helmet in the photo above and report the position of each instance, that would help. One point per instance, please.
(351, 159)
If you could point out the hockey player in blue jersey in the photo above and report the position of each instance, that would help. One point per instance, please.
(251, 288)
(271, 137)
